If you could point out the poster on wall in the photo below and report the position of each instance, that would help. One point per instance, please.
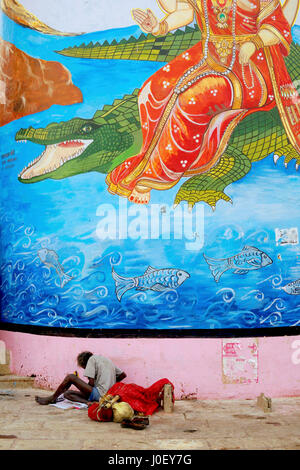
(240, 361)
(149, 165)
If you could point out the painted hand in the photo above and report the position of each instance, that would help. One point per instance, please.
(246, 51)
(145, 19)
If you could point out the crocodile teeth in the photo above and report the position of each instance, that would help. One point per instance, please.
(297, 166)
(276, 158)
(53, 157)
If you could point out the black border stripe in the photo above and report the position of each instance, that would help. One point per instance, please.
(147, 333)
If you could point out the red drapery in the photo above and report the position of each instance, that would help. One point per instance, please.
(143, 400)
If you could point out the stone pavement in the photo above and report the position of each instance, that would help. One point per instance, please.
(194, 425)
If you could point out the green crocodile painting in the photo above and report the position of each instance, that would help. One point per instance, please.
(114, 133)
(145, 47)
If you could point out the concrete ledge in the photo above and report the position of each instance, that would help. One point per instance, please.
(4, 369)
(5, 360)
(14, 381)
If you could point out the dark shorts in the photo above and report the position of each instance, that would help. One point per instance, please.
(95, 395)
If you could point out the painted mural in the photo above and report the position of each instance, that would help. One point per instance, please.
(150, 172)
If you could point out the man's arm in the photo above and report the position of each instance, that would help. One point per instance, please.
(121, 377)
(91, 382)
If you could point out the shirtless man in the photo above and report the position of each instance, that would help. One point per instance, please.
(102, 374)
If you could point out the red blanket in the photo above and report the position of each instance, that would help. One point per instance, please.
(144, 400)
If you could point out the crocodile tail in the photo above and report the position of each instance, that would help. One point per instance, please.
(217, 266)
(123, 284)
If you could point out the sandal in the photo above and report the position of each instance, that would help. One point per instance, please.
(126, 423)
(142, 420)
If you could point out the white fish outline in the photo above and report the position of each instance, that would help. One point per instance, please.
(292, 288)
(153, 279)
(50, 259)
(249, 259)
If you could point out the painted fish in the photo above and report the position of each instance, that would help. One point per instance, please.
(50, 259)
(293, 288)
(248, 259)
(152, 279)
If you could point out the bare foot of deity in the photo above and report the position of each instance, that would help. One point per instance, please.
(140, 195)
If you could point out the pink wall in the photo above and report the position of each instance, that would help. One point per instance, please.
(195, 366)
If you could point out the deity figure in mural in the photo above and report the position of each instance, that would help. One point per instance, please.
(190, 107)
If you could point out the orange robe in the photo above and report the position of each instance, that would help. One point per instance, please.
(186, 132)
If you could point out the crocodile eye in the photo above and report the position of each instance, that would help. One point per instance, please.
(87, 128)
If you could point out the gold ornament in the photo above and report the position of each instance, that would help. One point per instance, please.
(222, 9)
(162, 29)
(223, 48)
(257, 41)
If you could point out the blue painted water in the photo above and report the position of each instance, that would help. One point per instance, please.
(62, 216)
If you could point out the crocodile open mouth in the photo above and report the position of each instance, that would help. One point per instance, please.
(53, 157)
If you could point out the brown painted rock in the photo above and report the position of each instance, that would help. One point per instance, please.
(29, 85)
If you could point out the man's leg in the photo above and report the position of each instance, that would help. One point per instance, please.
(73, 395)
(69, 380)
